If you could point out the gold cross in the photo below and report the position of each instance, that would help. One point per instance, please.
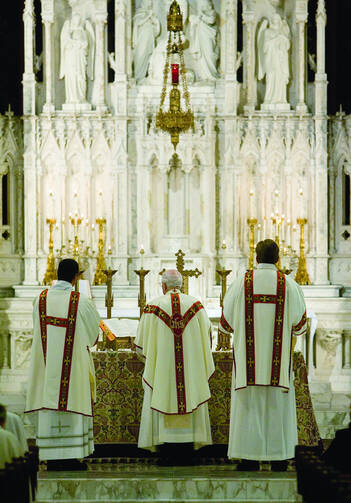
(250, 362)
(274, 381)
(249, 340)
(178, 346)
(179, 367)
(180, 386)
(276, 361)
(67, 361)
(62, 402)
(181, 406)
(279, 320)
(248, 298)
(69, 339)
(65, 381)
(71, 319)
(280, 299)
(249, 320)
(277, 340)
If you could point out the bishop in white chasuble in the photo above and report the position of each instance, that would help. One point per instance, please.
(174, 337)
(62, 379)
(263, 309)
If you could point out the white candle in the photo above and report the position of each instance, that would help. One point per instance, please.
(259, 229)
(300, 207)
(251, 204)
(142, 251)
(288, 232)
(109, 253)
(293, 237)
(93, 237)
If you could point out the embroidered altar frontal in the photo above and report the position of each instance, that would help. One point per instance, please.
(119, 398)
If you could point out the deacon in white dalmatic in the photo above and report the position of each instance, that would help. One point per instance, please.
(62, 380)
(263, 309)
(174, 337)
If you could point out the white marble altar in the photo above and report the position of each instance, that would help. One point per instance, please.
(89, 148)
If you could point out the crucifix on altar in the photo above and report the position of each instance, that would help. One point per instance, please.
(186, 273)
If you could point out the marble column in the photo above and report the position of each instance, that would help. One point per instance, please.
(301, 53)
(347, 349)
(249, 63)
(48, 65)
(229, 53)
(321, 76)
(29, 51)
(100, 76)
(30, 213)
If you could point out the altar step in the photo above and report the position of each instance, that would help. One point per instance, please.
(140, 483)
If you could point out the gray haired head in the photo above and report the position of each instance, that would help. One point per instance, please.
(172, 279)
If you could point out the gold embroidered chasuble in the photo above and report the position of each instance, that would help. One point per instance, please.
(174, 337)
(62, 374)
(263, 310)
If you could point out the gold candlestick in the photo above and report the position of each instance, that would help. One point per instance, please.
(223, 273)
(302, 276)
(252, 222)
(141, 297)
(109, 295)
(51, 273)
(100, 276)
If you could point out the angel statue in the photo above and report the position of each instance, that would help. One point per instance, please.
(273, 44)
(77, 58)
(203, 44)
(145, 31)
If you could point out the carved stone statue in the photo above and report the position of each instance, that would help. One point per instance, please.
(202, 38)
(273, 44)
(145, 31)
(77, 58)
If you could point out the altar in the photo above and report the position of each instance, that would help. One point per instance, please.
(119, 398)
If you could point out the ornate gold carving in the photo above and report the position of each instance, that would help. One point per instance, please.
(252, 222)
(51, 273)
(100, 276)
(302, 276)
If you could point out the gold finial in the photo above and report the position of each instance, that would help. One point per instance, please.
(174, 18)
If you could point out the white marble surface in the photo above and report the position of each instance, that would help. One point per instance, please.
(198, 483)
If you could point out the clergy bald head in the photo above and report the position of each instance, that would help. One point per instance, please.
(171, 279)
(2, 415)
(68, 270)
(267, 252)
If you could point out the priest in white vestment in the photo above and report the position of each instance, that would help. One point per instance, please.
(9, 446)
(174, 337)
(14, 425)
(263, 309)
(62, 379)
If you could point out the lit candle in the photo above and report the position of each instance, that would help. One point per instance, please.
(300, 208)
(109, 253)
(93, 237)
(175, 73)
(142, 251)
(259, 229)
(224, 244)
(264, 230)
(251, 215)
(62, 230)
(288, 232)
(283, 228)
(51, 195)
(293, 238)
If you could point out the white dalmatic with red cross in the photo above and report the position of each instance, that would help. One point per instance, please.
(174, 337)
(62, 379)
(263, 309)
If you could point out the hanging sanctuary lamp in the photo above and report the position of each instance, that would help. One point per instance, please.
(175, 120)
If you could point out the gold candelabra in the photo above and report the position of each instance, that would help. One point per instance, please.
(302, 276)
(175, 120)
(252, 222)
(51, 273)
(141, 297)
(100, 276)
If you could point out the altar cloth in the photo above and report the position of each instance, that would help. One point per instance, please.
(119, 398)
